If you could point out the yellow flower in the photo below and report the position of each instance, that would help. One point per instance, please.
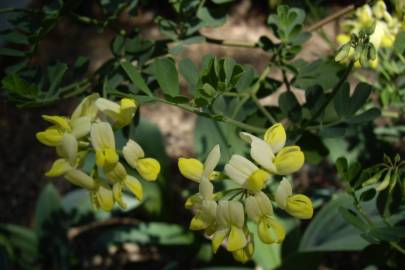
(87, 107)
(148, 168)
(244, 255)
(260, 210)
(230, 226)
(205, 207)
(102, 197)
(120, 179)
(78, 126)
(271, 153)
(120, 114)
(103, 141)
(194, 170)
(298, 205)
(246, 173)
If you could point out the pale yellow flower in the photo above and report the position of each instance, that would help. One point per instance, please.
(148, 168)
(103, 141)
(260, 210)
(230, 226)
(246, 173)
(272, 154)
(194, 170)
(297, 205)
(121, 179)
(121, 114)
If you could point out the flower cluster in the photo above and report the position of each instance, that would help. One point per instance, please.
(223, 215)
(91, 129)
(386, 28)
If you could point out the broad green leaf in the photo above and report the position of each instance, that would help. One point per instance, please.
(329, 231)
(48, 203)
(135, 77)
(166, 75)
(341, 167)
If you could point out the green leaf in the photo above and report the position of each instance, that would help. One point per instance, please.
(290, 106)
(359, 97)
(155, 233)
(135, 77)
(166, 75)
(48, 203)
(210, 17)
(366, 116)
(190, 73)
(11, 52)
(55, 75)
(329, 231)
(22, 239)
(399, 44)
(341, 167)
(388, 233)
(351, 217)
(342, 100)
(323, 72)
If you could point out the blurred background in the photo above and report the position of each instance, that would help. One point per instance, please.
(145, 237)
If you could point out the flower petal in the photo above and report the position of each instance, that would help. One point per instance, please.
(132, 151)
(284, 190)
(68, 148)
(59, 167)
(191, 168)
(134, 186)
(81, 179)
(239, 169)
(260, 151)
(148, 168)
(105, 198)
(289, 160)
(300, 206)
(102, 136)
(257, 180)
(212, 160)
(52, 136)
(236, 239)
(86, 108)
(218, 238)
(59, 121)
(117, 192)
(276, 137)
(81, 126)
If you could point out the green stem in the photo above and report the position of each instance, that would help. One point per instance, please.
(328, 101)
(285, 79)
(224, 118)
(397, 247)
(263, 110)
(229, 43)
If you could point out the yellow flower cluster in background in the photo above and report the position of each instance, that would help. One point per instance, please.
(91, 129)
(223, 215)
(387, 27)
